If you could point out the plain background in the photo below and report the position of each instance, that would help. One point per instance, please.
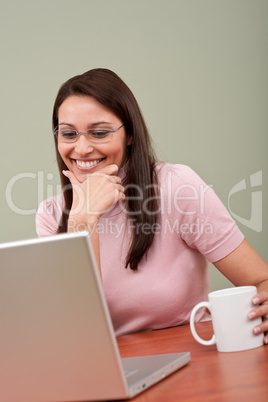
(197, 68)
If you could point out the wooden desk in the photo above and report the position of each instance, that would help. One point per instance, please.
(210, 376)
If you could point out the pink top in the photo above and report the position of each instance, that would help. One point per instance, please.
(194, 228)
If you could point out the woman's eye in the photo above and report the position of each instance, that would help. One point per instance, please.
(100, 133)
(68, 134)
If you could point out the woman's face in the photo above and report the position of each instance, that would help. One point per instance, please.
(82, 157)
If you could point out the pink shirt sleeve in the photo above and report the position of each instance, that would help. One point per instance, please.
(204, 222)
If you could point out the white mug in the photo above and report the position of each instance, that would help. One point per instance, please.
(233, 330)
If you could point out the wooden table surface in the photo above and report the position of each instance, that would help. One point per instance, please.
(210, 376)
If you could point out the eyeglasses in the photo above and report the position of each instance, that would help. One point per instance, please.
(99, 135)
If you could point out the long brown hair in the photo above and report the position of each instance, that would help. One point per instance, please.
(111, 91)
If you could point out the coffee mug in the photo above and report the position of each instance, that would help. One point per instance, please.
(233, 330)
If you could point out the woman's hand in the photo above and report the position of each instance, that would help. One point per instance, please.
(245, 267)
(261, 300)
(94, 196)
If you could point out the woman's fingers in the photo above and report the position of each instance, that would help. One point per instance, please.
(261, 297)
(71, 176)
(109, 170)
(261, 310)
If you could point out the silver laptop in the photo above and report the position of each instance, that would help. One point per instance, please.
(56, 336)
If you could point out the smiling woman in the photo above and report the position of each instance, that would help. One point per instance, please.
(160, 220)
(84, 101)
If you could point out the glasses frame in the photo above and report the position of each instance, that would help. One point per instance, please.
(78, 133)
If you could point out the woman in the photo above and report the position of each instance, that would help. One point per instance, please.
(153, 226)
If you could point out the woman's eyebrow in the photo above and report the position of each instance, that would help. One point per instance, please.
(97, 123)
(66, 124)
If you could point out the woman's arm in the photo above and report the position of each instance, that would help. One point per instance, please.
(244, 267)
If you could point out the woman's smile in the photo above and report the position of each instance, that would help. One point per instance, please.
(88, 164)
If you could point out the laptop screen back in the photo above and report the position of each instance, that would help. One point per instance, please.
(56, 337)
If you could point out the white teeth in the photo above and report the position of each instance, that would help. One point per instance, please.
(86, 164)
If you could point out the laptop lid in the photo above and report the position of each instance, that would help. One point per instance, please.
(56, 340)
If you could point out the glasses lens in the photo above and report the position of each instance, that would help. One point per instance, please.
(66, 135)
(100, 135)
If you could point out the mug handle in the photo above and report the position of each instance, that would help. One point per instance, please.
(212, 341)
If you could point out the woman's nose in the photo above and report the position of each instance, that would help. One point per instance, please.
(83, 145)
